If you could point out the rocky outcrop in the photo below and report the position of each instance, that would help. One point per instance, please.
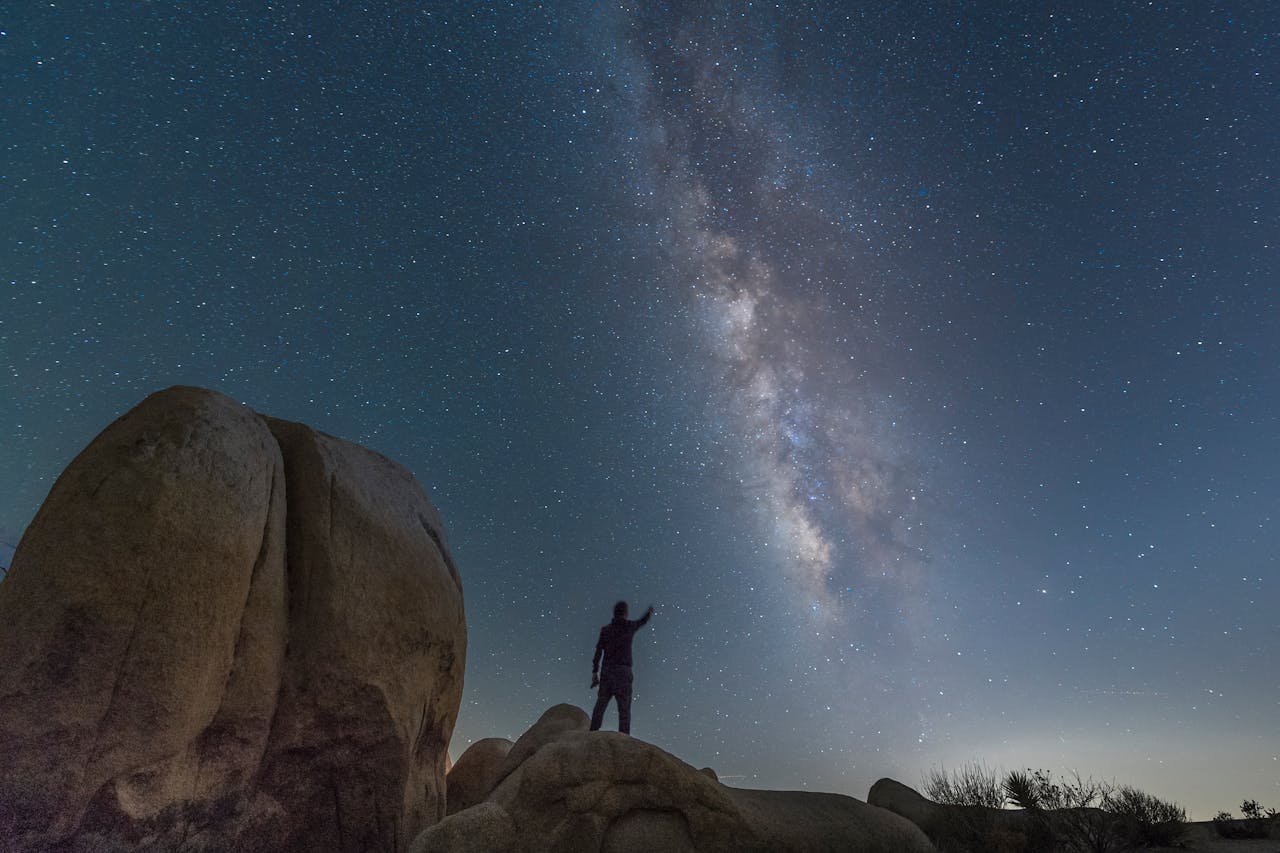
(373, 678)
(554, 722)
(142, 625)
(961, 827)
(225, 632)
(908, 802)
(809, 822)
(603, 791)
(473, 777)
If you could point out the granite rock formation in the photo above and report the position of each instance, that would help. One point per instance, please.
(223, 631)
(554, 722)
(473, 777)
(576, 790)
(954, 826)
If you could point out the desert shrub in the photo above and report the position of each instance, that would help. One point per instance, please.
(970, 832)
(1144, 820)
(973, 822)
(974, 792)
(971, 785)
(979, 829)
(1068, 811)
(1033, 789)
(963, 830)
(1254, 824)
(1229, 827)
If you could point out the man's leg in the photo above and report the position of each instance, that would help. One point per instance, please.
(623, 692)
(602, 702)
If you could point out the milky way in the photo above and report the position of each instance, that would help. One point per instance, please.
(763, 267)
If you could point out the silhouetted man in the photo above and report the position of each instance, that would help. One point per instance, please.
(615, 678)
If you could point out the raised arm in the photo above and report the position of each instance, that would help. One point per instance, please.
(645, 618)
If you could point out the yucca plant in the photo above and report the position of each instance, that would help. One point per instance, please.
(1032, 789)
(1066, 812)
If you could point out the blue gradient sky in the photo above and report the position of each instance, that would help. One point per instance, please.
(920, 363)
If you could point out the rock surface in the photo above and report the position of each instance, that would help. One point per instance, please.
(143, 619)
(554, 722)
(604, 791)
(476, 772)
(908, 802)
(373, 677)
(953, 825)
(219, 633)
(809, 822)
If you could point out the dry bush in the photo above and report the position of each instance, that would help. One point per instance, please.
(1144, 820)
(1254, 824)
(972, 785)
(1067, 814)
(1068, 810)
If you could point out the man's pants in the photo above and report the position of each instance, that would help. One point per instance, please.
(615, 681)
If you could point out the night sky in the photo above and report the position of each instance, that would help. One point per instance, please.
(921, 363)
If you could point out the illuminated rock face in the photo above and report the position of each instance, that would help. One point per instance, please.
(562, 788)
(223, 631)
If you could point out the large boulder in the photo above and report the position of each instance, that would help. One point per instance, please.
(473, 777)
(810, 822)
(554, 722)
(222, 633)
(605, 792)
(906, 801)
(143, 622)
(377, 643)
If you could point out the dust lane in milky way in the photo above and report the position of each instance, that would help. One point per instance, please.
(760, 262)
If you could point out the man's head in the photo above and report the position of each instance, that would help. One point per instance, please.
(620, 610)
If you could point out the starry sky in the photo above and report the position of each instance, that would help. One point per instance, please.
(919, 362)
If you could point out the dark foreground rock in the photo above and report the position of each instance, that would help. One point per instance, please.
(227, 632)
(576, 790)
(475, 774)
(963, 827)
